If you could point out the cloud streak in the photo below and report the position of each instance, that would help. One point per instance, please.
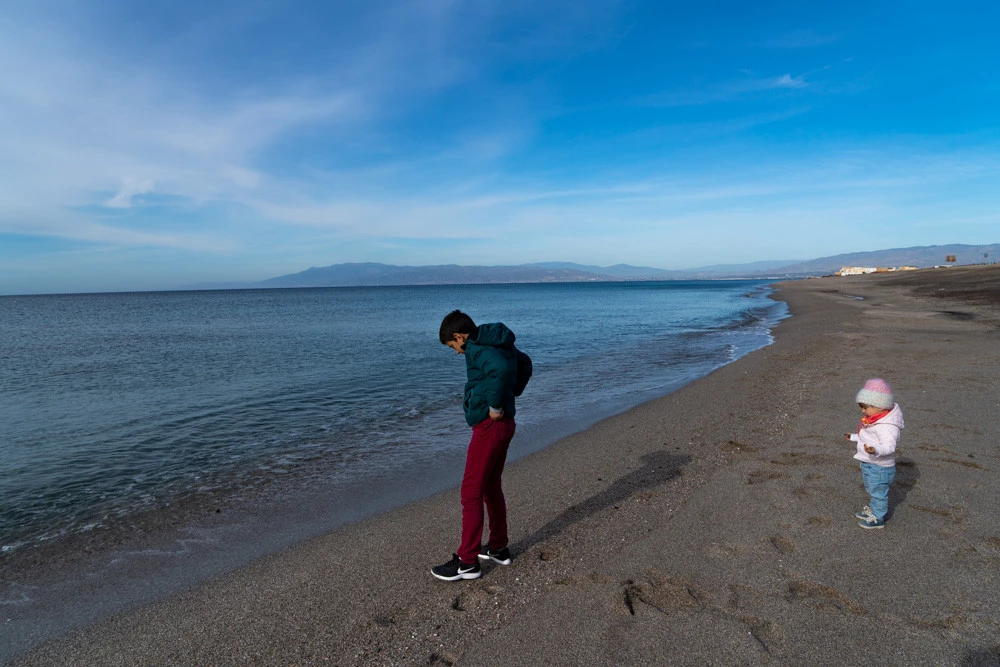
(848, 190)
(730, 91)
(131, 188)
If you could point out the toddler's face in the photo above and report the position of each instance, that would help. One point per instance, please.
(870, 410)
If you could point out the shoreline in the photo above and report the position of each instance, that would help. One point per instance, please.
(709, 524)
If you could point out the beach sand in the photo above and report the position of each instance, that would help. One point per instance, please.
(714, 525)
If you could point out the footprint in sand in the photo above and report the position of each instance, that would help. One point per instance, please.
(783, 545)
(798, 459)
(762, 476)
(820, 520)
(822, 596)
(738, 447)
(665, 594)
(960, 462)
(442, 658)
(955, 513)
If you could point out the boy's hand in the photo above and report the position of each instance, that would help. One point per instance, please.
(496, 413)
(847, 436)
(869, 449)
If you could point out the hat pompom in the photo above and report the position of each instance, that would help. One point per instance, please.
(876, 393)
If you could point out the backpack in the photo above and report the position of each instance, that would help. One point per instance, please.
(523, 372)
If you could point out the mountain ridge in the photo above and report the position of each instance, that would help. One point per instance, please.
(363, 274)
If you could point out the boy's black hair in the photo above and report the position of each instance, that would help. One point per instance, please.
(456, 322)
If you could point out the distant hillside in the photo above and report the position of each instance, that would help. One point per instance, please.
(618, 271)
(371, 274)
(919, 256)
(342, 275)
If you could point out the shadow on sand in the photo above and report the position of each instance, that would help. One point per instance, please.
(907, 476)
(657, 468)
(981, 657)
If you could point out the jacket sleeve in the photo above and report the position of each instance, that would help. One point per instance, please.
(882, 437)
(499, 377)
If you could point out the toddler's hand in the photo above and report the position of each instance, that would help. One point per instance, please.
(496, 413)
(869, 449)
(847, 436)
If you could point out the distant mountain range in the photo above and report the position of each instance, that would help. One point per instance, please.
(371, 274)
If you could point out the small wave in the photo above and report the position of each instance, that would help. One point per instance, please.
(8, 548)
(16, 594)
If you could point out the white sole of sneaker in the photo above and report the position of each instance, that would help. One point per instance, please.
(496, 560)
(460, 576)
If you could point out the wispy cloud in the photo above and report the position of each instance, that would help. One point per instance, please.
(75, 226)
(730, 91)
(88, 132)
(830, 185)
(131, 187)
(787, 81)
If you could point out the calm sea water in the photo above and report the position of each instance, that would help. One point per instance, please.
(114, 405)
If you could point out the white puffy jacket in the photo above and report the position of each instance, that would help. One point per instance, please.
(883, 436)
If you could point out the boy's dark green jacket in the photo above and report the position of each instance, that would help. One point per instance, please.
(491, 366)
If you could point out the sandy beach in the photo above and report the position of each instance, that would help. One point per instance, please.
(712, 526)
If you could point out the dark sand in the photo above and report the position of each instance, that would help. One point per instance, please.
(714, 525)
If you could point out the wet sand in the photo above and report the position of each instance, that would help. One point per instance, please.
(714, 525)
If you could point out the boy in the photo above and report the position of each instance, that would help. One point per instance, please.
(491, 368)
(878, 433)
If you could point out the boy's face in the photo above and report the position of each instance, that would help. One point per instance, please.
(457, 342)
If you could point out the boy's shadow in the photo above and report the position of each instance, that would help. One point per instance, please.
(907, 476)
(658, 467)
(981, 657)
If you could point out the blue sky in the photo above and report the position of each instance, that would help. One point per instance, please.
(151, 145)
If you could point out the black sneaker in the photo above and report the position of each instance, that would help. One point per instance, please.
(501, 556)
(455, 569)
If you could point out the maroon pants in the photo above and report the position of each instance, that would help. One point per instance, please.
(481, 484)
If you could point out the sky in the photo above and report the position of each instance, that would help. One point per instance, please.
(157, 145)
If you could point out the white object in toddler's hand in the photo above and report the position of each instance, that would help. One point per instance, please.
(496, 413)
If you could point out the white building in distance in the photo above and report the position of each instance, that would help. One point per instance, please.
(862, 270)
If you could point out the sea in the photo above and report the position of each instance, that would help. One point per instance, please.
(172, 436)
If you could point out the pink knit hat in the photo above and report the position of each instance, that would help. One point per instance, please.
(876, 393)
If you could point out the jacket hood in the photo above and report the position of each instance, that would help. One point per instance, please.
(895, 417)
(494, 335)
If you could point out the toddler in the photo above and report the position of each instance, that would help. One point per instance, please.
(878, 432)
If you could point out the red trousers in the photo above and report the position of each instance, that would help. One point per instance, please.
(481, 484)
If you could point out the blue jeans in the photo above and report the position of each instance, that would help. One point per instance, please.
(877, 480)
